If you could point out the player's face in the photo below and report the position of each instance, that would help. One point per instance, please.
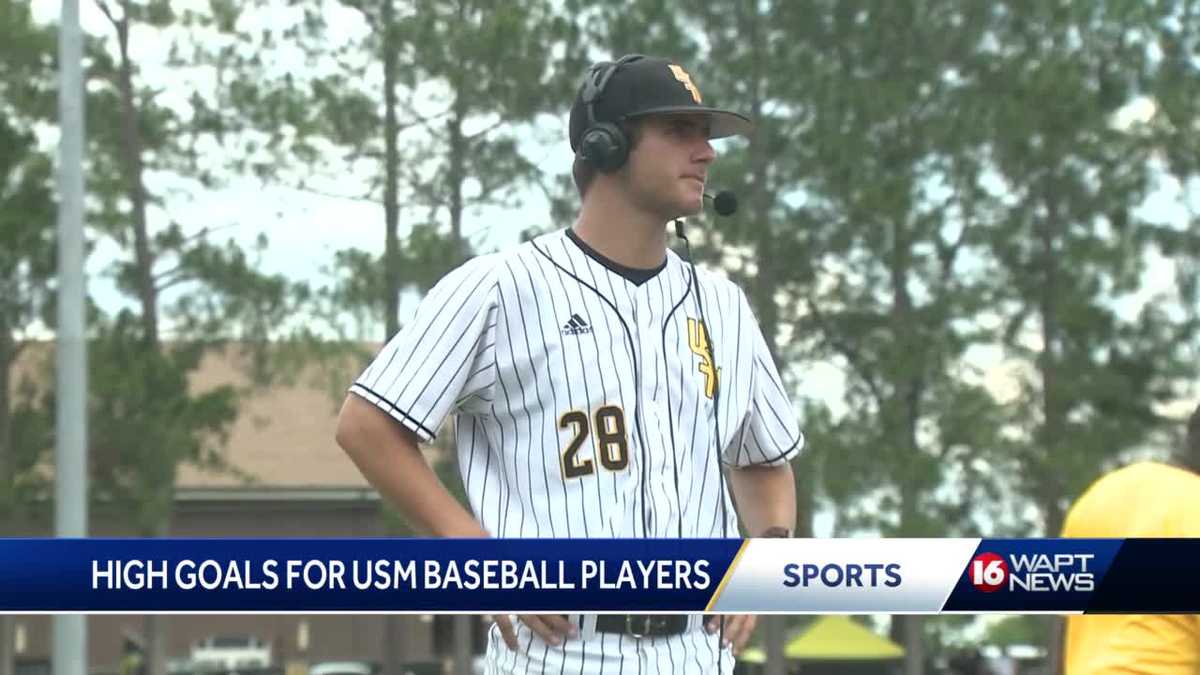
(668, 166)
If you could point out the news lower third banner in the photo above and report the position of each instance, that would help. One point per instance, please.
(793, 576)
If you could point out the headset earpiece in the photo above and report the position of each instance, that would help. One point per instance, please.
(604, 146)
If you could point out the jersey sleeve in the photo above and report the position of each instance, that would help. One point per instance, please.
(443, 356)
(769, 433)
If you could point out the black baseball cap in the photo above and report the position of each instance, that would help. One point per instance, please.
(647, 85)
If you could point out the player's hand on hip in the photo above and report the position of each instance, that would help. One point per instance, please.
(738, 628)
(553, 628)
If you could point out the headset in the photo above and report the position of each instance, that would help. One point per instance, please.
(604, 145)
(694, 283)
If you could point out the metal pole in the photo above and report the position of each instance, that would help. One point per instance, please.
(70, 490)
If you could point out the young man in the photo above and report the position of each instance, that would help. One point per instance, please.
(1147, 499)
(601, 389)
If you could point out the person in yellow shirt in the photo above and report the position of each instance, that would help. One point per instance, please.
(1146, 499)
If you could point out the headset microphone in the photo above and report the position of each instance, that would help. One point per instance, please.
(724, 202)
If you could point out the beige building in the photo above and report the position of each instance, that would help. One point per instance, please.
(291, 480)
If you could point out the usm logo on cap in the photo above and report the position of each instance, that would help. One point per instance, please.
(682, 75)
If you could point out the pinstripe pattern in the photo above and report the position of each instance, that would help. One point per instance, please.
(509, 343)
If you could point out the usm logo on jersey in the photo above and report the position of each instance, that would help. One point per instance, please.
(698, 341)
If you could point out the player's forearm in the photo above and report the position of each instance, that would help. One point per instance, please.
(391, 461)
(766, 497)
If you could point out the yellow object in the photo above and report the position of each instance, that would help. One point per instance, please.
(843, 639)
(752, 655)
(1142, 500)
(131, 663)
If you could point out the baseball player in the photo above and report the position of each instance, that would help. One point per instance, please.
(601, 385)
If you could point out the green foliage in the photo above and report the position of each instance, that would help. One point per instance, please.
(428, 256)
(27, 258)
(145, 422)
(28, 53)
(1071, 247)
(30, 438)
(1015, 630)
(359, 289)
(240, 306)
(478, 48)
(27, 216)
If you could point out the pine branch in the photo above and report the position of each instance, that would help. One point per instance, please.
(852, 355)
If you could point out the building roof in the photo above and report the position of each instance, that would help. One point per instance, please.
(283, 438)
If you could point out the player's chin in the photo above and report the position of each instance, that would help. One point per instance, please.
(690, 204)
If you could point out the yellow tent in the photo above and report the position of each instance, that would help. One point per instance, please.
(831, 638)
(840, 638)
(752, 655)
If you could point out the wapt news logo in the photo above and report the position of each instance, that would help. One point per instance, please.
(1033, 572)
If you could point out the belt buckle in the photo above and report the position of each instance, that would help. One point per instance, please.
(640, 625)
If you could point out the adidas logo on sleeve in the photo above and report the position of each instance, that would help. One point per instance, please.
(576, 326)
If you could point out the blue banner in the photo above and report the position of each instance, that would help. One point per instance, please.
(466, 575)
(791, 576)
(1151, 576)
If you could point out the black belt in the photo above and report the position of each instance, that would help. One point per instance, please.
(642, 625)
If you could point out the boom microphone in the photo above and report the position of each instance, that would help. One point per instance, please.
(724, 203)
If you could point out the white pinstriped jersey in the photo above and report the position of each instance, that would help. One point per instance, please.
(584, 408)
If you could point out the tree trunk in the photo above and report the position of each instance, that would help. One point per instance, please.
(154, 660)
(8, 354)
(393, 636)
(458, 152)
(908, 630)
(773, 638)
(759, 197)
(1052, 410)
(391, 205)
(806, 498)
(903, 414)
(1055, 625)
(7, 359)
(762, 291)
(912, 626)
(133, 168)
(393, 648)
(462, 643)
(1055, 634)
(8, 656)
(457, 175)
